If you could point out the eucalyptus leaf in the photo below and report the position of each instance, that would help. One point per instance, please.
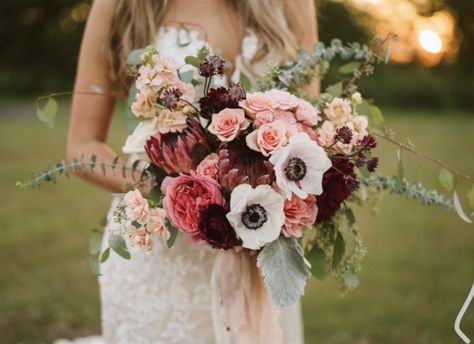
(350, 67)
(193, 61)
(339, 250)
(187, 76)
(96, 89)
(93, 266)
(377, 116)
(245, 82)
(470, 196)
(317, 258)
(95, 242)
(335, 90)
(459, 210)
(284, 271)
(135, 57)
(173, 233)
(48, 113)
(446, 179)
(105, 255)
(118, 244)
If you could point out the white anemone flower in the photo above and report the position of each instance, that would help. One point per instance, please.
(300, 166)
(256, 215)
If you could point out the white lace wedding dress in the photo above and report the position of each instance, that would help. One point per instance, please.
(164, 296)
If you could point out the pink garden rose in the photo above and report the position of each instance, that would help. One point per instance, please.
(144, 106)
(307, 113)
(156, 223)
(282, 100)
(263, 117)
(208, 166)
(139, 237)
(299, 213)
(228, 123)
(256, 102)
(268, 137)
(339, 111)
(185, 197)
(136, 206)
(171, 121)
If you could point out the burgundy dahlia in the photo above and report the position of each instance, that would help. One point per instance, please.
(212, 65)
(338, 184)
(238, 164)
(178, 152)
(215, 228)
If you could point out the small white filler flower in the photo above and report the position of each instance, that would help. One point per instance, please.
(300, 166)
(256, 215)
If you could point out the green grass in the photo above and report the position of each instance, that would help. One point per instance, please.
(417, 274)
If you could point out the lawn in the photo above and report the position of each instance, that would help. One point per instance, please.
(417, 273)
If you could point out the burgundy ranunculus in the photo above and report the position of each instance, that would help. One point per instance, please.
(178, 152)
(215, 228)
(337, 187)
(238, 164)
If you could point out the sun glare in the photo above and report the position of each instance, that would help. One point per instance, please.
(430, 41)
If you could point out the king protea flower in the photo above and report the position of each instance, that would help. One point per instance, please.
(173, 152)
(238, 164)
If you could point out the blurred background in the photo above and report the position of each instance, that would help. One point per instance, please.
(420, 262)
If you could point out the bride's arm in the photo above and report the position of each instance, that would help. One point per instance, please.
(91, 114)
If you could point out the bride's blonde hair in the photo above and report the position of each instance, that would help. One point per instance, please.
(136, 23)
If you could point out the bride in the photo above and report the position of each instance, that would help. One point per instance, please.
(164, 296)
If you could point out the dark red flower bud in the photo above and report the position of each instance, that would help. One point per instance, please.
(343, 134)
(372, 164)
(215, 228)
(212, 65)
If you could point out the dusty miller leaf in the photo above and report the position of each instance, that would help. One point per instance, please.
(284, 271)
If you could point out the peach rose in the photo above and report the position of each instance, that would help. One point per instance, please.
(139, 237)
(339, 111)
(307, 113)
(144, 106)
(156, 223)
(208, 166)
(263, 117)
(171, 121)
(256, 102)
(228, 123)
(299, 213)
(136, 206)
(326, 134)
(268, 137)
(282, 100)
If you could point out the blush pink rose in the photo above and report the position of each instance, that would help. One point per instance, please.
(268, 137)
(228, 123)
(263, 117)
(306, 113)
(156, 223)
(139, 237)
(339, 111)
(185, 197)
(256, 102)
(282, 100)
(208, 166)
(299, 213)
(136, 206)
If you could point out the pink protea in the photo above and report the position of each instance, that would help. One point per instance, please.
(238, 164)
(174, 152)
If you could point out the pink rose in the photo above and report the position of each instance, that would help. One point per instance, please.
(339, 111)
(268, 137)
(185, 197)
(263, 117)
(136, 207)
(228, 123)
(209, 166)
(256, 102)
(282, 100)
(139, 237)
(144, 106)
(307, 113)
(156, 223)
(299, 213)
(171, 121)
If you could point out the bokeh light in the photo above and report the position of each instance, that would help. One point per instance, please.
(430, 41)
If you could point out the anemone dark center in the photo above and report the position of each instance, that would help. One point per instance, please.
(254, 216)
(296, 169)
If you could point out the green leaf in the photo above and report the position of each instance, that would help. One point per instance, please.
(193, 61)
(135, 57)
(187, 76)
(446, 179)
(349, 214)
(173, 233)
(93, 266)
(364, 109)
(335, 90)
(350, 278)
(105, 255)
(103, 168)
(339, 250)
(350, 67)
(317, 258)
(93, 162)
(103, 221)
(470, 197)
(155, 194)
(284, 271)
(118, 244)
(95, 242)
(96, 89)
(48, 113)
(245, 82)
(377, 116)
(458, 208)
